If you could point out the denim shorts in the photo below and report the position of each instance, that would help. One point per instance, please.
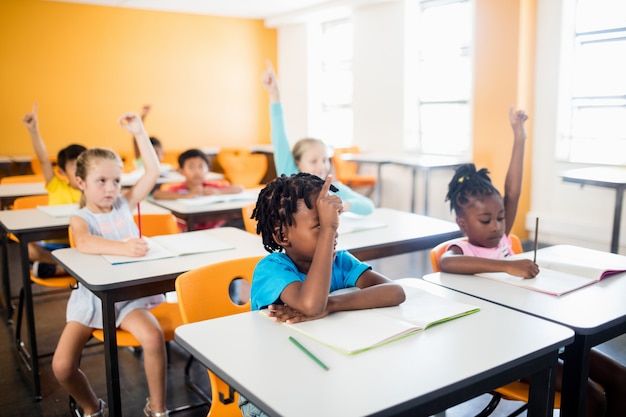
(248, 409)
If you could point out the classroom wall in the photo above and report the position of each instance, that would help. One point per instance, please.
(86, 65)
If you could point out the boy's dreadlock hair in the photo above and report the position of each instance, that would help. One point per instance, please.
(278, 202)
(467, 182)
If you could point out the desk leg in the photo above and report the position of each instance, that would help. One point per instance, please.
(6, 280)
(110, 356)
(617, 219)
(426, 182)
(29, 358)
(540, 399)
(379, 188)
(575, 374)
(413, 185)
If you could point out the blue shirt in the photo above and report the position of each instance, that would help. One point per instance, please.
(274, 272)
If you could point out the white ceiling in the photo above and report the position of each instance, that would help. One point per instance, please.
(251, 9)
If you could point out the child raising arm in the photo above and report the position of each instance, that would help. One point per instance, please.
(486, 217)
(62, 189)
(308, 154)
(99, 179)
(105, 225)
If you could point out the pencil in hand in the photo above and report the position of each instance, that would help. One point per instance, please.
(139, 218)
(536, 239)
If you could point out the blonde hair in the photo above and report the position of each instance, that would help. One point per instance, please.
(304, 145)
(87, 159)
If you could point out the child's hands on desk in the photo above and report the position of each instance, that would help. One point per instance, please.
(136, 246)
(524, 268)
(284, 313)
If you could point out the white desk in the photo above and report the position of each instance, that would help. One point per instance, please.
(608, 177)
(596, 313)
(112, 283)
(424, 163)
(194, 214)
(404, 232)
(420, 375)
(9, 192)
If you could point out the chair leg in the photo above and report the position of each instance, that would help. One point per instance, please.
(490, 408)
(519, 410)
(192, 385)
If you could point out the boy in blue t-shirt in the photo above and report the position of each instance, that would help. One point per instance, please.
(298, 220)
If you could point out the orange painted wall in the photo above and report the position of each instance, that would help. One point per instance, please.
(86, 65)
(504, 76)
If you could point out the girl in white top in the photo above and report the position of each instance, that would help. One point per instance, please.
(104, 225)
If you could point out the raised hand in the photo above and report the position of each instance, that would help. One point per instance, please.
(132, 123)
(517, 119)
(270, 82)
(144, 111)
(329, 207)
(30, 119)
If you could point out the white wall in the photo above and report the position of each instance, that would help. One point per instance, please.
(568, 213)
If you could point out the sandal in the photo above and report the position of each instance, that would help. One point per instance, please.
(149, 413)
(103, 412)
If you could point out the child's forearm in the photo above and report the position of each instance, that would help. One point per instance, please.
(461, 264)
(375, 296)
(97, 245)
(313, 294)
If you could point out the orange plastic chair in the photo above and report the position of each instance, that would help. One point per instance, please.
(241, 167)
(246, 213)
(518, 390)
(203, 294)
(347, 172)
(35, 165)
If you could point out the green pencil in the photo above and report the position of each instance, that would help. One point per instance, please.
(309, 354)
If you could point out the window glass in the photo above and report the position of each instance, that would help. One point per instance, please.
(445, 77)
(596, 132)
(335, 121)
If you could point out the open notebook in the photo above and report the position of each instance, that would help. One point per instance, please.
(564, 268)
(352, 332)
(250, 196)
(178, 244)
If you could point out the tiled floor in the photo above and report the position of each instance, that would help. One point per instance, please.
(16, 395)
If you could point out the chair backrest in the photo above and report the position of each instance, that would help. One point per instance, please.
(246, 213)
(344, 169)
(203, 293)
(35, 165)
(154, 224)
(241, 167)
(31, 201)
(15, 179)
(437, 251)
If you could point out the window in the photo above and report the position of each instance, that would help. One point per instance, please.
(335, 122)
(595, 127)
(445, 77)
